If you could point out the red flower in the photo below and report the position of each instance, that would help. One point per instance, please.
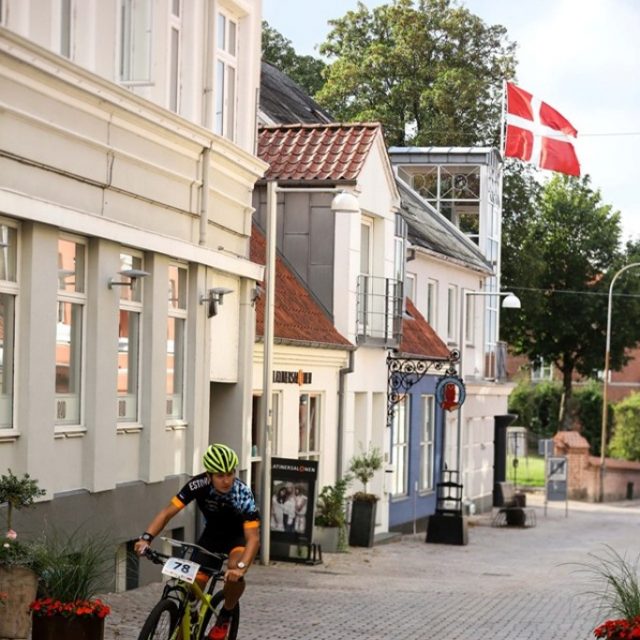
(47, 607)
(619, 629)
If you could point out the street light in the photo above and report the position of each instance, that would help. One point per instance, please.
(605, 384)
(511, 301)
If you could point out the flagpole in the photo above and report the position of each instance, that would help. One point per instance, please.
(503, 117)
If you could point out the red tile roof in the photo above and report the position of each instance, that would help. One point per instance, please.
(332, 152)
(297, 315)
(418, 338)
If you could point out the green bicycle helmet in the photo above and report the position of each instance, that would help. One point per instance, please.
(219, 458)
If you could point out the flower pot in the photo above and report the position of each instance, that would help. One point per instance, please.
(19, 583)
(363, 523)
(59, 627)
(327, 538)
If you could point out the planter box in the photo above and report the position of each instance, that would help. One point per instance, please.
(327, 538)
(60, 628)
(363, 523)
(20, 585)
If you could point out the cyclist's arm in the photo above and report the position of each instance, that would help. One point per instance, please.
(157, 525)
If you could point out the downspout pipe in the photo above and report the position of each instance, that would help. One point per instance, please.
(341, 411)
(204, 196)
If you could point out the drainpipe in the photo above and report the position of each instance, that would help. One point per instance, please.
(204, 196)
(341, 386)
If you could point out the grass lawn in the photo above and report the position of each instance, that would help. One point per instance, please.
(530, 471)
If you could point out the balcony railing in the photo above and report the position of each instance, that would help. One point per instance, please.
(379, 311)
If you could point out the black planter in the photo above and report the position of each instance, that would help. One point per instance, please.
(363, 523)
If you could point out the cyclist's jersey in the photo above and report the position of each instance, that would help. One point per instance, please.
(226, 514)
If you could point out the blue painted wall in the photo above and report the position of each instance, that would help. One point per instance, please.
(403, 509)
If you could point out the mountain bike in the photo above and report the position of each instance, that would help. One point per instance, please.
(185, 610)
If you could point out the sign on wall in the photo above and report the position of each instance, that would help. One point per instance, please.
(450, 392)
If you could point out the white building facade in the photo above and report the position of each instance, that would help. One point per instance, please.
(126, 180)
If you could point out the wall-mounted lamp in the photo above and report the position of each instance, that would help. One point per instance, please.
(213, 299)
(132, 274)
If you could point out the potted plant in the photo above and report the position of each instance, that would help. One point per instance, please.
(363, 508)
(17, 579)
(330, 518)
(617, 592)
(72, 570)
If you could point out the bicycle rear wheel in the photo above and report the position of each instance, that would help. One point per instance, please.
(210, 618)
(161, 622)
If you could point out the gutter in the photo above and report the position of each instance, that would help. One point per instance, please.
(341, 393)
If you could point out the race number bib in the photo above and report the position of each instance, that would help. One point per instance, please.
(181, 569)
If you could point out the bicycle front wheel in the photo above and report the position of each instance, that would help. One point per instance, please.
(161, 622)
(210, 618)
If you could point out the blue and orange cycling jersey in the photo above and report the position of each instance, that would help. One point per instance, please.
(226, 514)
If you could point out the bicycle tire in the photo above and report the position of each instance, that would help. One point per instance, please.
(156, 626)
(216, 602)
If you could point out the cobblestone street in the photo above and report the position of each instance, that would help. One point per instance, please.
(507, 583)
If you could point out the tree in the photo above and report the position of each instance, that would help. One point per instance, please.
(625, 443)
(304, 70)
(561, 259)
(431, 72)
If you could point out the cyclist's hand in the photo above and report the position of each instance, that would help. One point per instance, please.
(140, 547)
(234, 575)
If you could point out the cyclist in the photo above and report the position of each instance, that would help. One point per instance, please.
(232, 524)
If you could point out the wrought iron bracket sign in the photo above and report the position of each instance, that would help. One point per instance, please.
(403, 373)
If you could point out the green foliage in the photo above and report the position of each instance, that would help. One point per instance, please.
(16, 554)
(331, 504)
(587, 400)
(625, 442)
(560, 259)
(529, 472)
(72, 567)
(364, 466)
(537, 407)
(18, 493)
(617, 587)
(306, 71)
(429, 70)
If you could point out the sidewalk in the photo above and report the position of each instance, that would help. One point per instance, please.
(507, 583)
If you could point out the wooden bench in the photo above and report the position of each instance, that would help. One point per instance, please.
(512, 509)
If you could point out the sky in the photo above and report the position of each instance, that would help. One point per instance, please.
(582, 57)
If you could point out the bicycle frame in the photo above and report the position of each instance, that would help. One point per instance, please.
(180, 591)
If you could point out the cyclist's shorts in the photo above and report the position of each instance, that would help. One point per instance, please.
(221, 544)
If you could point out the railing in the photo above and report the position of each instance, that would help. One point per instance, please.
(379, 311)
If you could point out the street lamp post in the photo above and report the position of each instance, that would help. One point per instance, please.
(605, 383)
(510, 301)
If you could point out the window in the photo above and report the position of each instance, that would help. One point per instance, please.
(452, 312)
(174, 56)
(69, 330)
(469, 320)
(432, 303)
(410, 287)
(426, 443)
(309, 427)
(400, 446)
(541, 370)
(8, 292)
(226, 66)
(366, 246)
(135, 41)
(129, 343)
(176, 341)
(66, 27)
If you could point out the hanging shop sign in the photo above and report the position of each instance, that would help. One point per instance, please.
(450, 393)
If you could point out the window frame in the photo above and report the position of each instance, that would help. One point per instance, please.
(10, 287)
(134, 305)
(174, 83)
(452, 313)
(178, 314)
(128, 41)
(401, 412)
(225, 104)
(78, 298)
(427, 444)
(305, 452)
(432, 304)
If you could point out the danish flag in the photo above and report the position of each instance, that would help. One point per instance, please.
(537, 133)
